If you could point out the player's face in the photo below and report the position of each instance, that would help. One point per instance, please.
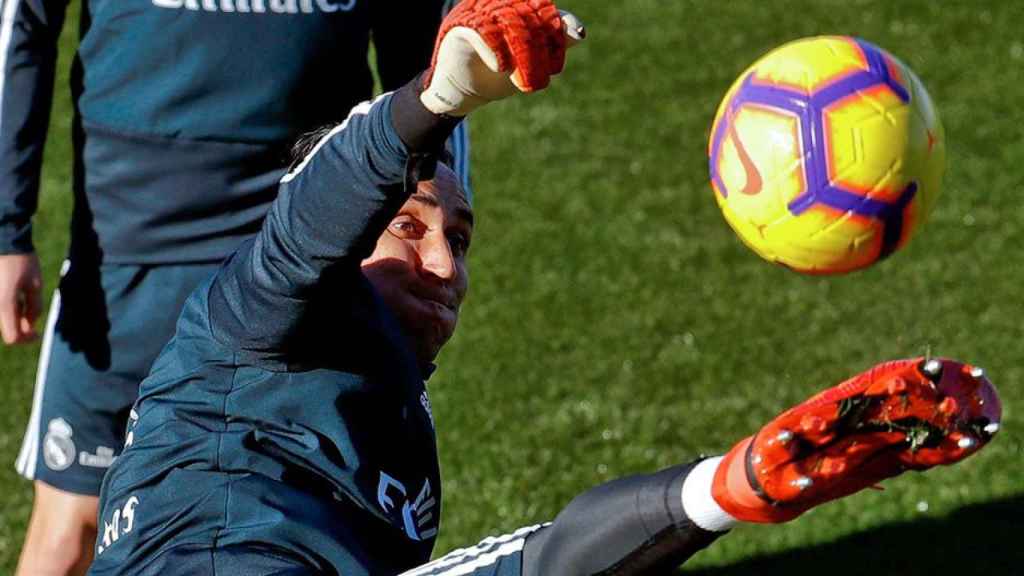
(419, 264)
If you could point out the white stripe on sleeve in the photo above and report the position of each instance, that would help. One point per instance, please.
(467, 560)
(362, 109)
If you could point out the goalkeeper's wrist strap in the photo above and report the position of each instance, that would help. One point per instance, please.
(421, 130)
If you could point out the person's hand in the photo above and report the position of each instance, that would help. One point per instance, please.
(903, 415)
(487, 50)
(21, 286)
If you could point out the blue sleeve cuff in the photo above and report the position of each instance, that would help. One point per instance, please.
(16, 238)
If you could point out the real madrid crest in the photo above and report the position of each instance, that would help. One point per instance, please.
(58, 448)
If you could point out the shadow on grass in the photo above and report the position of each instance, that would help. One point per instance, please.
(983, 539)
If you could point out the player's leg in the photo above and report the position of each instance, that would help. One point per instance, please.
(904, 415)
(63, 521)
(106, 326)
(60, 533)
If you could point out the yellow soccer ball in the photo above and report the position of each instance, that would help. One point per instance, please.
(826, 155)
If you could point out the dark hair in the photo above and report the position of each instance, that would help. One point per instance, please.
(305, 144)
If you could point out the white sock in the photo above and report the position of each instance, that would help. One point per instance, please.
(698, 503)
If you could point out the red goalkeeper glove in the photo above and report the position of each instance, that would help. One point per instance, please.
(903, 415)
(487, 50)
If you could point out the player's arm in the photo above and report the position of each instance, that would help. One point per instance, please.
(404, 35)
(327, 217)
(333, 206)
(904, 415)
(28, 57)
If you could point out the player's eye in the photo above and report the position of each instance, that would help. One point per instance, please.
(406, 228)
(459, 243)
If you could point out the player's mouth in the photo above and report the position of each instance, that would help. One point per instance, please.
(439, 304)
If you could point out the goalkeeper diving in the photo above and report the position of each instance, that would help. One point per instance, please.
(286, 428)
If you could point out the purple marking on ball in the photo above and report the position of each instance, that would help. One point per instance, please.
(810, 113)
(800, 105)
(840, 199)
(848, 86)
(878, 64)
(716, 148)
(893, 221)
(769, 96)
(775, 96)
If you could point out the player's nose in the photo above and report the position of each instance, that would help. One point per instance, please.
(436, 258)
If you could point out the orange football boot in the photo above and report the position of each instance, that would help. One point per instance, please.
(902, 415)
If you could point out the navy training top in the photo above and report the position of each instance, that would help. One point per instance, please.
(288, 413)
(186, 110)
(287, 423)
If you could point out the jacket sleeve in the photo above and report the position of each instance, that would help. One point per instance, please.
(403, 38)
(404, 46)
(330, 210)
(29, 30)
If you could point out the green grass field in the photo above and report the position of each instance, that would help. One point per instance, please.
(616, 325)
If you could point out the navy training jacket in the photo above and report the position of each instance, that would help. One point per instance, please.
(186, 110)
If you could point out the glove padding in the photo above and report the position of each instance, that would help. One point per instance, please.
(487, 50)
